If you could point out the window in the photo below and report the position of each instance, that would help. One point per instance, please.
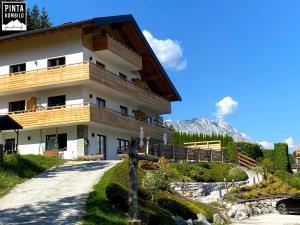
(124, 110)
(10, 144)
(17, 68)
(100, 64)
(100, 102)
(53, 143)
(123, 146)
(16, 106)
(123, 76)
(101, 140)
(57, 62)
(57, 101)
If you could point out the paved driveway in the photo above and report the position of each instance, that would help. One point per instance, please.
(272, 219)
(55, 197)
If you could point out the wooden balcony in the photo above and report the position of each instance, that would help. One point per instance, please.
(106, 42)
(85, 114)
(116, 119)
(53, 116)
(37, 79)
(75, 74)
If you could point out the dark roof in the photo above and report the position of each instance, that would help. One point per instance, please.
(103, 21)
(7, 123)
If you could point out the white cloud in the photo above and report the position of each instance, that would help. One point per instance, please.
(290, 142)
(226, 106)
(169, 52)
(266, 144)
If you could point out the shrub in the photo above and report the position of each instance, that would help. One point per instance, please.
(281, 157)
(292, 180)
(268, 154)
(231, 152)
(251, 150)
(268, 165)
(155, 182)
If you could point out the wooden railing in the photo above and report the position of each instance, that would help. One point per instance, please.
(85, 113)
(246, 161)
(116, 119)
(116, 83)
(107, 42)
(76, 74)
(53, 116)
(205, 145)
(43, 77)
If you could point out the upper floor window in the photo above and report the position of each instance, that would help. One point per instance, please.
(124, 110)
(16, 106)
(17, 68)
(123, 76)
(100, 64)
(100, 103)
(57, 62)
(57, 101)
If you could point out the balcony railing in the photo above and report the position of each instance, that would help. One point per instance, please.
(76, 74)
(107, 42)
(84, 114)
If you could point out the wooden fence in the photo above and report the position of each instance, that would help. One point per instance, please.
(180, 152)
(246, 161)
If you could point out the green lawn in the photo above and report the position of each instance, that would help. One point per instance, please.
(107, 204)
(18, 168)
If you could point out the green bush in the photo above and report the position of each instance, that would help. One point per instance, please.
(251, 150)
(231, 153)
(290, 179)
(154, 182)
(203, 172)
(268, 154)
(281, 157)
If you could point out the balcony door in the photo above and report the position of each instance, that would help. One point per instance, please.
(101, 140)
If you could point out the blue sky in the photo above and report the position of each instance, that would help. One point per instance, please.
(248, 50)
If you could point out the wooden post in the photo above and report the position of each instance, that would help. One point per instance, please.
(133, 185)
(222, 156)
(1, 156)
(211, 155)
(225, 182)
(253, 180)
(173, 150)
(220, 191)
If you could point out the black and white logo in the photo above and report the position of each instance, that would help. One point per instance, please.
(14, 16)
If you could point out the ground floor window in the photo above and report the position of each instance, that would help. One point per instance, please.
(123, 146)
(101, 140)
(10, 143)
(53, 143)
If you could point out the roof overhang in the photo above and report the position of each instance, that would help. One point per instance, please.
(7, 123)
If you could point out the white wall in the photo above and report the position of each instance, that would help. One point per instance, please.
(111, 140)
(36, 144)
(74, 95)
(36, 50)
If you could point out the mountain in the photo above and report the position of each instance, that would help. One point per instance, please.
(14, 24)
(206, 126)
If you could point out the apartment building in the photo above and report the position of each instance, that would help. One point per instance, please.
(83, 88)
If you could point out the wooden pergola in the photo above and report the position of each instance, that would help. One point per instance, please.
(7, 123)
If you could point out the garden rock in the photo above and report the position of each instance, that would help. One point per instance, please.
(179, 220)
(218, 219)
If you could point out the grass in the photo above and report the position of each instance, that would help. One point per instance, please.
(18, 169)
(204, 172)
(108, 203)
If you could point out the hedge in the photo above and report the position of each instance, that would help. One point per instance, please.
(281, 157)
(251, 150)
(268, 154)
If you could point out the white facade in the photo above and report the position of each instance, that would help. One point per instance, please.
(35, 52)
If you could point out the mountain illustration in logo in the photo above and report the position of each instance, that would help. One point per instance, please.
(14, 25)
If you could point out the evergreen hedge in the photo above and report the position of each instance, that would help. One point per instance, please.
(268, 154)
(251, 150)
(281, 157)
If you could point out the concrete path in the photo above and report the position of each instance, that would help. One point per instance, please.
(57, 196)
(271, 219)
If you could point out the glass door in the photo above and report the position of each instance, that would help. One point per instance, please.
(101, 139)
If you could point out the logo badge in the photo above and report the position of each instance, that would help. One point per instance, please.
(14, 16)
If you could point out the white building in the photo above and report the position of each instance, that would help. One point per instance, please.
(83, 88)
